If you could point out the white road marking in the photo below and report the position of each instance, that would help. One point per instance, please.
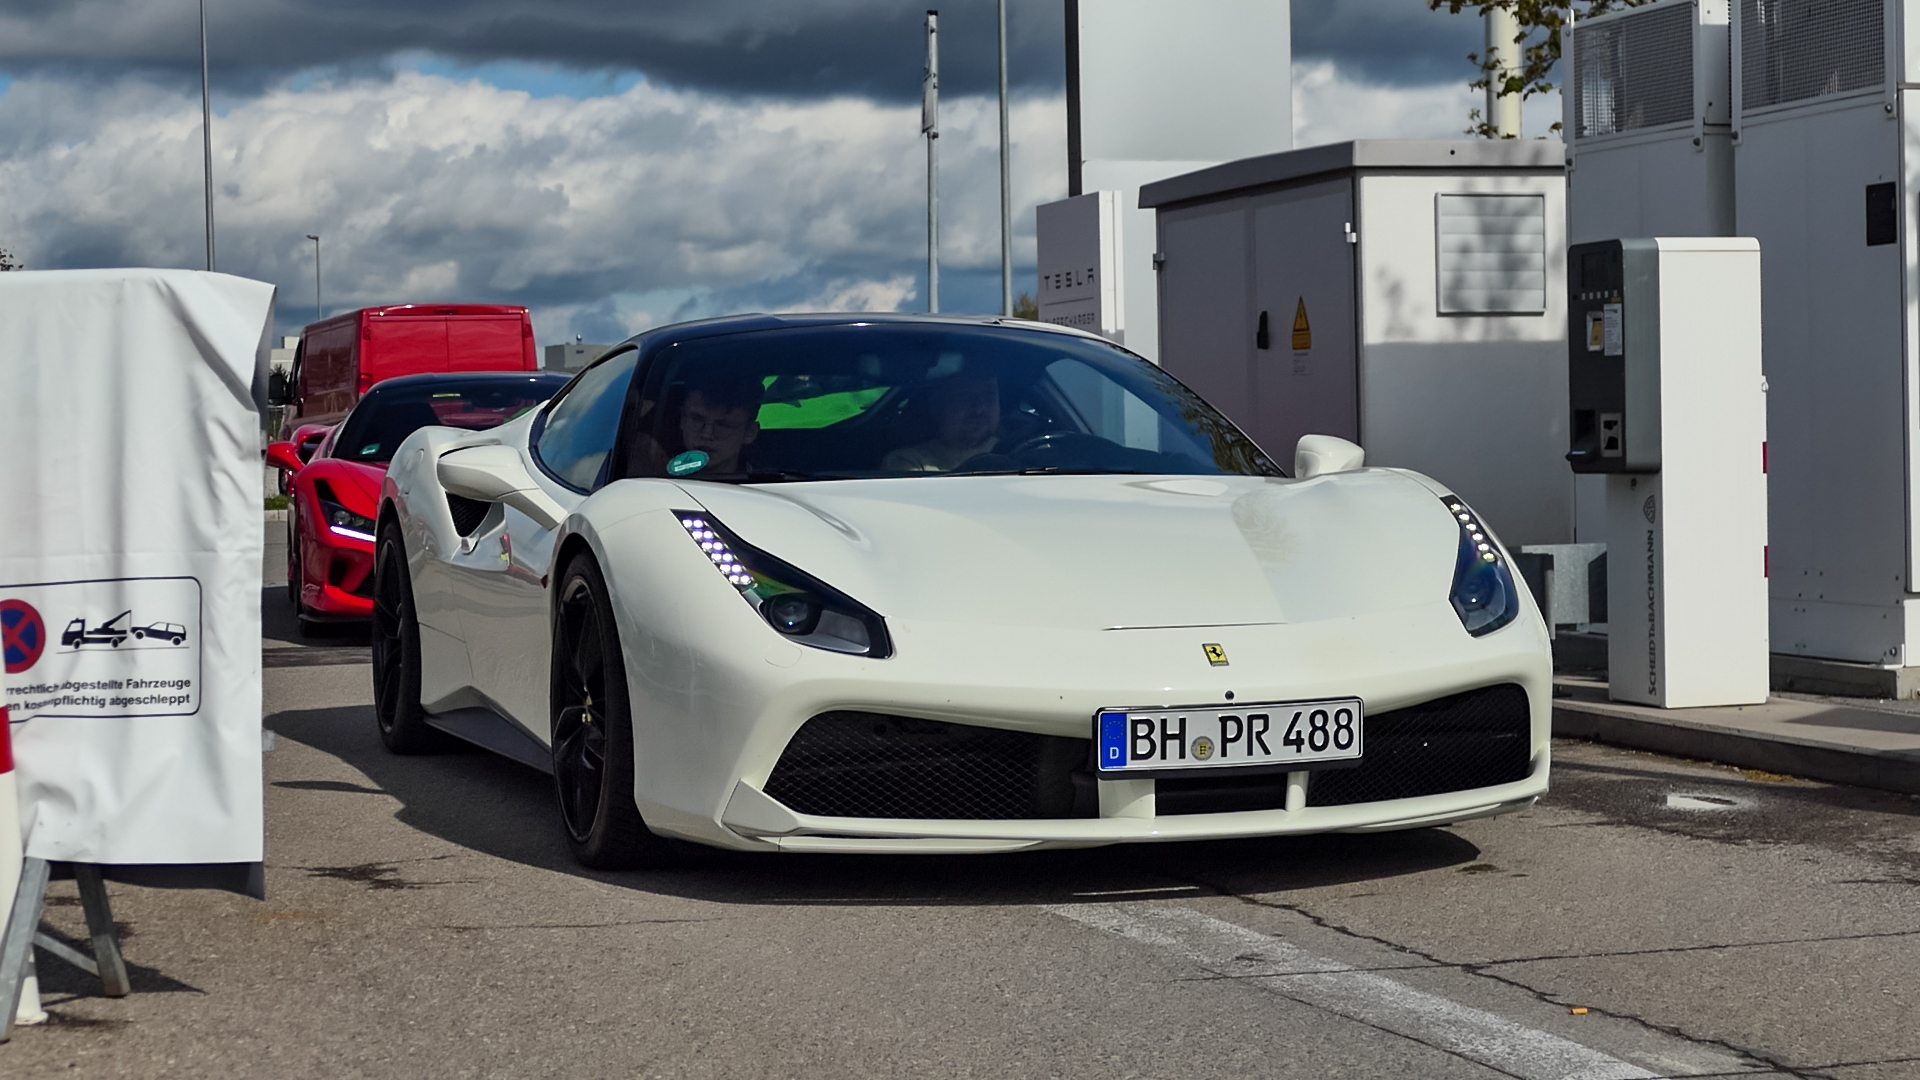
(1275, 966)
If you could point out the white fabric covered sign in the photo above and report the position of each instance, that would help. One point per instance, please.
(130, 553)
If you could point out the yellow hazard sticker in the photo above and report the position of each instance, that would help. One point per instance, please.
(1216, 655)
(1302, 332)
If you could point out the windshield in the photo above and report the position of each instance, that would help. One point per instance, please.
(391, 412)
(891, 399)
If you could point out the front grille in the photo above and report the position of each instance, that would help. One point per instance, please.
(1473, 740)
(1222, 793)
(872, 765)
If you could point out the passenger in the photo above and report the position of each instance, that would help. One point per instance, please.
(719, 418)
(966, 424)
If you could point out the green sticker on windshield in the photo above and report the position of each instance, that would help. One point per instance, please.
(685, 464)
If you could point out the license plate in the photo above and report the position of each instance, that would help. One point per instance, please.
(1279, 734)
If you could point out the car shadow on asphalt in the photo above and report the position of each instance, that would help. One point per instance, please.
(496, 807)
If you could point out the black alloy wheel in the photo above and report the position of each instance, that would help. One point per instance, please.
(593, 751)
(396, 653)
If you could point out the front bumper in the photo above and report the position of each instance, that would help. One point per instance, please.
(339, 576)
(751, 814)
(714, 711)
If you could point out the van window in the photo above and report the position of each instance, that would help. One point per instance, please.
(580, 428)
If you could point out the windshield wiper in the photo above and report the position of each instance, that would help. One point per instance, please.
(773, 477)
(1046, 470)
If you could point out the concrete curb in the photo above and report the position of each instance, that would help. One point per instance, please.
(1813, 759)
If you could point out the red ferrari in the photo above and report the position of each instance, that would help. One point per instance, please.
(336, 493)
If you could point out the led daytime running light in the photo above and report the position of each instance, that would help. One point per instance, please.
(717, 552)
(1485, 594)
(1476, 535)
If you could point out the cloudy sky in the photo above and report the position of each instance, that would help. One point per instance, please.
(613, 166)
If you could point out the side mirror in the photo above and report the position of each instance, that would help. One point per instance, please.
(1318, 455)
(494, 474)
(277, 389)
(282, 455)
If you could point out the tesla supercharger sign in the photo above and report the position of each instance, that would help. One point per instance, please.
(131, 402)
(1081, 261)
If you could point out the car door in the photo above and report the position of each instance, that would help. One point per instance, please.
(505, 572)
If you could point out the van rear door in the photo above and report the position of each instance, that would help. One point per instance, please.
(402, 345)
(486, 343)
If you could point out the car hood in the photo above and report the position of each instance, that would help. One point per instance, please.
(1106, 552)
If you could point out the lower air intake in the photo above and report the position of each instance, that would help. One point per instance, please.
(872, 765)
(1473, 740)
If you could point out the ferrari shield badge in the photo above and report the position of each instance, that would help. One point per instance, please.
(685, 464)
(1216, 655)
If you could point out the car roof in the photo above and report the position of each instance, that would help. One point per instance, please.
(430, 378)
(740, 324)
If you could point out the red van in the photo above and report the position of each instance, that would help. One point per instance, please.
(341, 358)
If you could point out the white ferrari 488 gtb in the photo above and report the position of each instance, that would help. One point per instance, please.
(893, 584)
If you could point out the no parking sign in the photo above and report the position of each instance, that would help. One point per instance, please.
(23, 635)
(131, 403)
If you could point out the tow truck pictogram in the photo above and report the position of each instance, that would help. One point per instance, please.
(112, 632)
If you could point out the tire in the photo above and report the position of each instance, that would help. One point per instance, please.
(396, 653)
(139, 635)
(593, 748)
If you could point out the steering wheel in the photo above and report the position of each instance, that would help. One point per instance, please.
(1058, 442)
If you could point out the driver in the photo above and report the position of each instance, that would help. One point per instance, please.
(719, 419)
(966, 424)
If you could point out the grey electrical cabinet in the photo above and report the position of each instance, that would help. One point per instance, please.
(1408, 295)
(1827, 123)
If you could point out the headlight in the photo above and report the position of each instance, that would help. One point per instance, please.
(1483, 591)
(339, 519)
(798, 605)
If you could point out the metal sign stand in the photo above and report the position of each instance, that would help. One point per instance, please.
(23, 933)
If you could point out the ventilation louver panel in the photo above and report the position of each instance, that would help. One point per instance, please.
(1492, 254)
(1633, 72)
(1796, 50)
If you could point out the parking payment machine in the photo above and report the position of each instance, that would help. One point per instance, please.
(1668, 401)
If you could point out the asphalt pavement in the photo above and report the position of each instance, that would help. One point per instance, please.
(1651, 917)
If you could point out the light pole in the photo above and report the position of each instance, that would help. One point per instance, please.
(206, 128)
(1006, 183)
(1503, 109)
(930, 127)
(316, 276)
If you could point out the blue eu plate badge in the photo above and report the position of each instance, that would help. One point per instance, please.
(1113, 740)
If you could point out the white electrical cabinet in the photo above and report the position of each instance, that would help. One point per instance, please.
(1408, 295)
(1648, 111)
(1827, 174)
(1668, 409)
(1155, 89)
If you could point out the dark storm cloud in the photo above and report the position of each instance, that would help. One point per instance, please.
(1398, 42)
(786, 48)
(816, 48)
